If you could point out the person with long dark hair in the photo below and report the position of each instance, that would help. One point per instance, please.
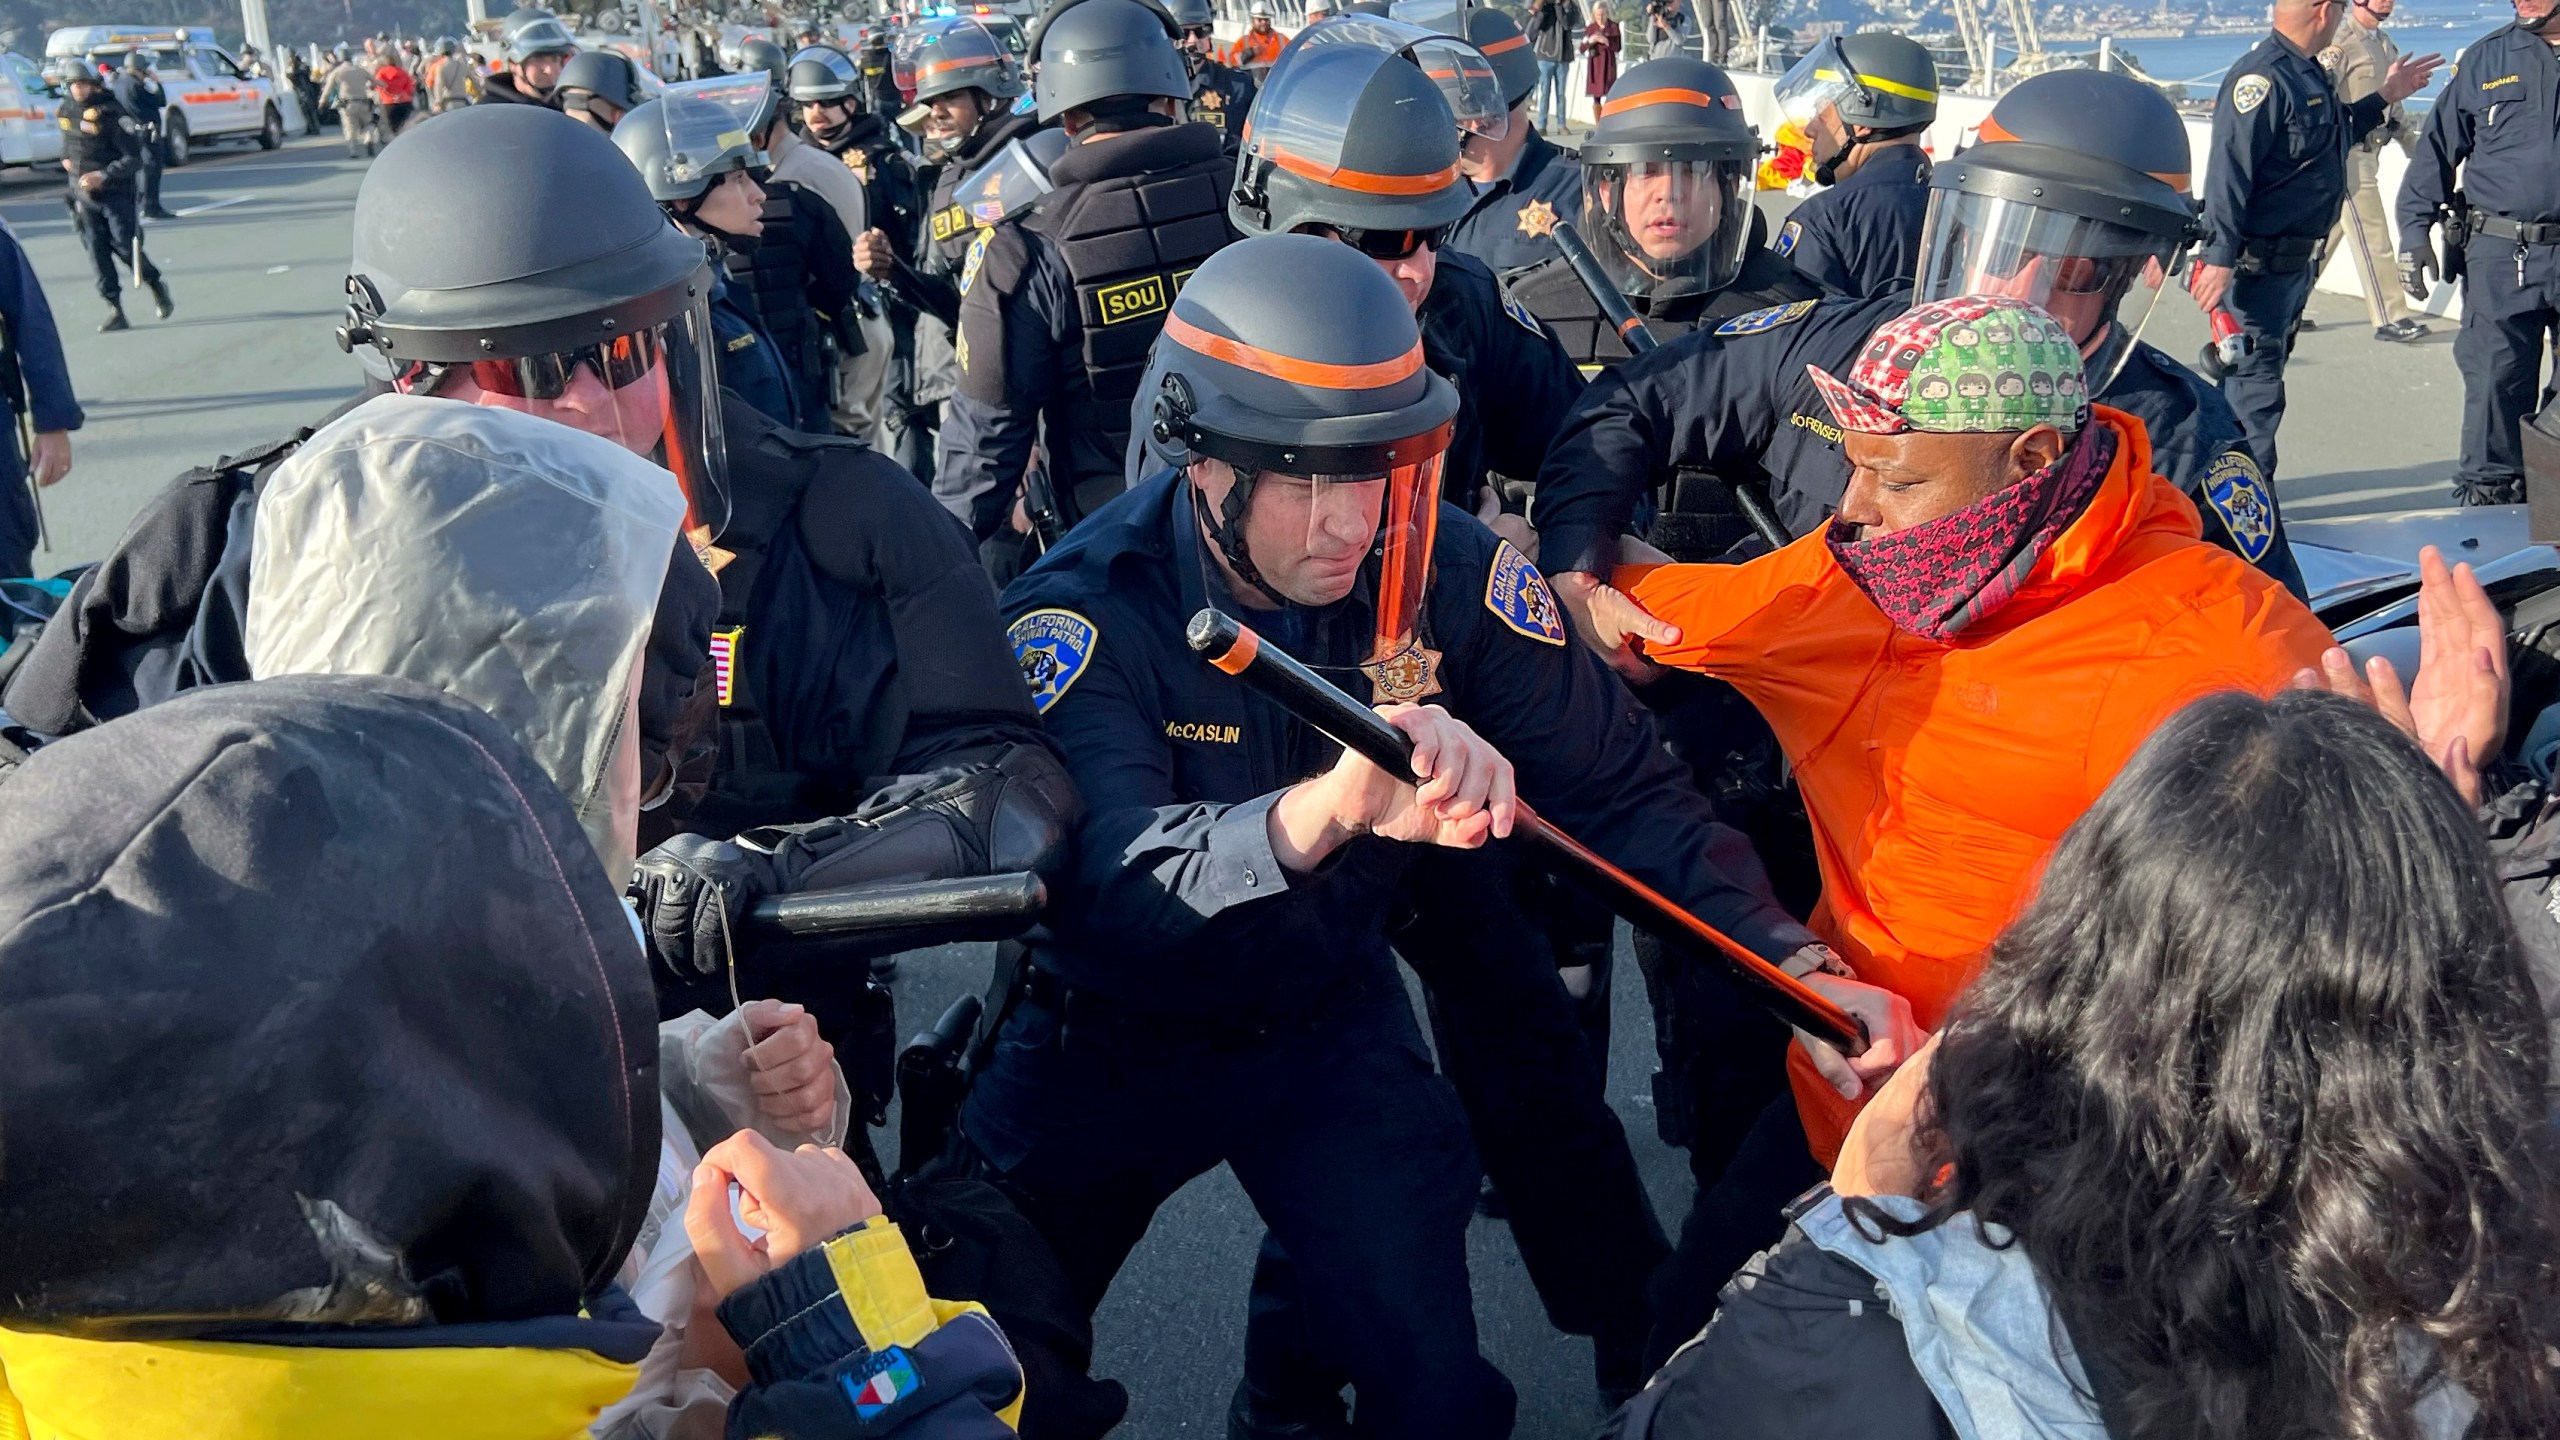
(2241, 1132)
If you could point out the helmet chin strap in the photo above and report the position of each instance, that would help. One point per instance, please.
(1227, 529)
(2536, 25)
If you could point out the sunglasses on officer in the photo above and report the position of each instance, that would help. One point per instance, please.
(1198, 32)
(1383, 244)
(621, 362)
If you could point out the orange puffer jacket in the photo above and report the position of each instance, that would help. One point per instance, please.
(1939, 775)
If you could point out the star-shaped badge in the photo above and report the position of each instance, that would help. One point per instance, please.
(1537, 218)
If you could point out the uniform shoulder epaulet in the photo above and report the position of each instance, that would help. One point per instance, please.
(1767, 319)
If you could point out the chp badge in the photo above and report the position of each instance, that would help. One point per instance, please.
(2238, 493)
(2250, 93)
(1053, 648)
(1517, 594)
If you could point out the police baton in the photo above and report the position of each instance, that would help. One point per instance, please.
(904, 916)
(1622, 317)
(1278, 677)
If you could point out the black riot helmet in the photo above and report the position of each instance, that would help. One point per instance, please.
(1297, 363)
(594, 315)
(2075, 199)
(698, 131)
(1491, 31)
(939, 57)
(762, 54)
(1187, 13)
(1667, 178)
(1087, 51)
(1470, 82)
(605, 75)
(822, 74)
(1352, 139)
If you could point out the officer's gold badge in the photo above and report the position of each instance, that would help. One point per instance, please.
(859, 162)
(1404, 677)
(1537, 218)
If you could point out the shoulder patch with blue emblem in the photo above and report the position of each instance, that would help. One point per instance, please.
(1052, 647)
(976, 257)
(1519, 312)
(1518, 595)
(1769, 319)
(2238, 493)
(1788, 235)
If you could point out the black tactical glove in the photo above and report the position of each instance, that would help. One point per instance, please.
(2416, 268)
(693, 894)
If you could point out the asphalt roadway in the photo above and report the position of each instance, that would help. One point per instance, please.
(257, 264)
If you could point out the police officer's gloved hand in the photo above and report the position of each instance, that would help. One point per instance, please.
(693, 894)
(2417, 268)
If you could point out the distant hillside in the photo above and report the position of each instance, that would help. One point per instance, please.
(24, 23)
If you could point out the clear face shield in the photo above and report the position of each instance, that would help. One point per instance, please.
(943, 55)
(1464, 76)
(1818, 82)
(2099, 279)
(712, 124)
(1669, 227)
(1012, 180)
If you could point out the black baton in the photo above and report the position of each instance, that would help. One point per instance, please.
(1277, 676)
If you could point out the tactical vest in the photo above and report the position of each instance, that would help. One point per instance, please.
(943, 249)
(775, 277)
(1129, 242)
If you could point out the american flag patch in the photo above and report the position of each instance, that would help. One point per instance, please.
(724, 661)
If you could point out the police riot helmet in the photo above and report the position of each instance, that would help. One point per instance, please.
(595, 315)
(1667, 178)
(1093, 50)
(821, 74)
(762, 54)
(137, 60)
(606, 75)
(1496, 34)
(697, 131)
(1355, 140)
(530, 33)
(1187, 13)
(2075, 199)
(1297, 363)
(940, 57)
(1875, 80)
(1469, 81)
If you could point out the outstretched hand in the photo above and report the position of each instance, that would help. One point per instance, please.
(2457, 709)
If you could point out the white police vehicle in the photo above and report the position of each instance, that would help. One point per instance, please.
(210, 96)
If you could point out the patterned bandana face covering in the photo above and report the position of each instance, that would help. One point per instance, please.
(1937, 580)
(1973, 364)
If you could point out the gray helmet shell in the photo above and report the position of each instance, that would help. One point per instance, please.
(536, 32)
(606, 74)
(1323, 306)
(1674, 108)
(821, 72)
(1901, 81)
(1500, 38)
(435, 281)
(1190, 12)
(1351, 109)
(2085, 142)
(1090, 50)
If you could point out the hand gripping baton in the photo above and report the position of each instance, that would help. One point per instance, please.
(1278, 677)
(1630, 326)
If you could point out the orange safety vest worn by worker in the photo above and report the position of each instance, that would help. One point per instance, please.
(1939, 775)
(1257, 48)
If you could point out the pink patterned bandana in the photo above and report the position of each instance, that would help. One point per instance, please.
(1936, 580)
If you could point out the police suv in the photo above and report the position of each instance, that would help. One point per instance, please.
(210, 96)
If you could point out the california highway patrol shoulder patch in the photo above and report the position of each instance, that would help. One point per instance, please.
(2250, 93)
(1518, 594)
(1769, 319)
(1052, 647)
(2238, 493)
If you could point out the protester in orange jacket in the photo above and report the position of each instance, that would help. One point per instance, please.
(2007, 603)
(1259, 47)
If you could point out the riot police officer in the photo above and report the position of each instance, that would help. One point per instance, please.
(2495, 121)
(1059, 304)
(1667, 180)
(1217, 984)
(1220, 93)
(1386, 184)
(2277, 179)
(599, 87)
(2098, 159)
(1525, 181)
(714, 194)
(1863, 102)
(796, 271)
(537, 47)
(964, 85)
(138, 91)
(102, 152)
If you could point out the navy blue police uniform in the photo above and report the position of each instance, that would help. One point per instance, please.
(2276, 182)
(1221, 95)
(99, 138)
(1510, 226)
(1862, 236)
(1736, 402)
(35, 381)
(1193, 1002)
(1059, 305)
(2499, 122)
